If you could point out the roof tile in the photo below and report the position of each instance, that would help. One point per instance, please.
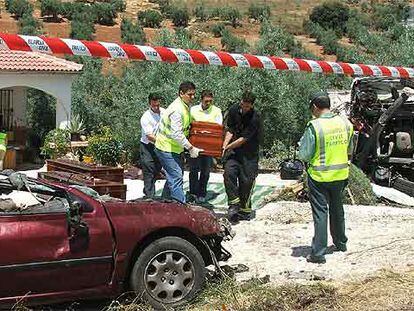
(32, 61)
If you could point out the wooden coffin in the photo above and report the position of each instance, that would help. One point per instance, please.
(115, 174)
(114, 189)
(207, 136)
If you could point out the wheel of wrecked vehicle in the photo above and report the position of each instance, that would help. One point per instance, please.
(169, 272)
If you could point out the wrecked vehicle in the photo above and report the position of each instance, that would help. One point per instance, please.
(383, 114)
(61, 243)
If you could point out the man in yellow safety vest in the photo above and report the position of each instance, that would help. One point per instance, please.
(171, 140)
(200, 167)
(326, 147)
(3, 148)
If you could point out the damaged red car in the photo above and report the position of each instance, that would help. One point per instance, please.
(61, 243)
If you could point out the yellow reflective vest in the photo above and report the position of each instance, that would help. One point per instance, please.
(330, 160)
(3, 141)
(164, 141)
(212, 114)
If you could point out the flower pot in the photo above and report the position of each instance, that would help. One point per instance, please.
(75, 136)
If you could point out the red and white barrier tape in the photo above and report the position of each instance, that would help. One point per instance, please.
(172, 55)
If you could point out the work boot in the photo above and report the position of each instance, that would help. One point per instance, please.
(190, 198)
(313, 259)
(244, 215)
(233, 213)
(338, 248)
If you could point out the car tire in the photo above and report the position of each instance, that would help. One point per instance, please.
(169, 272)
(404, 185)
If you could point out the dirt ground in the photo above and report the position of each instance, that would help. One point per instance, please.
(278, 240)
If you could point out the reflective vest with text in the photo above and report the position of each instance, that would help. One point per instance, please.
(332, 138)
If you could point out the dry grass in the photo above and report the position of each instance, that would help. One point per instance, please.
(387, 291)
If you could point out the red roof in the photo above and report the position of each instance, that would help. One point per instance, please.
(32, 61)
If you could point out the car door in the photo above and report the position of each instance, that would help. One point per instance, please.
(38, 254)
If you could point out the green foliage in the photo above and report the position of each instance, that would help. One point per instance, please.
(104, 147)
(41, 115)
(105, 13)
(232, 43)
(360, 188)
(201, 13)
(51, 8)
(386, 16)
(72, 10)
(150, 18)
(230, 14)
(132, 33)
(274, 40)
(20, 7)
(119, 5)
(326, 37)
(259, 12)
(56, 143)
(180, 17)
(218, 29)
(331, 15)
(76, 125)
(29, 25)
(82, 26)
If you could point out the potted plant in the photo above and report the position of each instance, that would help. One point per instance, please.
(56, 143)
(76, 128)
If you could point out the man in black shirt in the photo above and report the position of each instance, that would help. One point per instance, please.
(241, 156)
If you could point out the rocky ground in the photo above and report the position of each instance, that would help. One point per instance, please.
(276, 243)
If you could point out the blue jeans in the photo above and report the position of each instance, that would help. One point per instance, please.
(173, 166)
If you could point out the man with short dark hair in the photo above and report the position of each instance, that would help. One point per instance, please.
(326, 147)
(149, 161)
(241, 156)
(206, 111)
(171, 140)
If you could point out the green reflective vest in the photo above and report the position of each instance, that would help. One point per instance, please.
(332, 138)
(164, 141)
(209, 115)
(3, 141)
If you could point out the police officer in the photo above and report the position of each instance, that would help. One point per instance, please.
(171, 140)
(241, 156)
(200, 167)
(325, 147)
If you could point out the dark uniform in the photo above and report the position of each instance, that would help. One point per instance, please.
(241, 164)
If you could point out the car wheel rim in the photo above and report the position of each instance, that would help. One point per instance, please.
(169, 276)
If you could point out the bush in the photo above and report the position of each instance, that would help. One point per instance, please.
(231, 15)
(132, 33)
(41, 116)
(60, 139)
(150, 18)
(180, 17)
(119, 5)
(331, 15)
(386, 16)
(105, 13)
(329, 41)
(51, 8)
(82, 26)
(104, 147)
(259, 12)
(71, 9)
(274, 40)
(20, 7)
(233, 44)
(360, 188)
(201, 13)
(30, 25)
(218, 30)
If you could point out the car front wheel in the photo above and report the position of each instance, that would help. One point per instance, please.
(169, 272)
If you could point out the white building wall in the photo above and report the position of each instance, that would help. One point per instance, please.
(57, 85)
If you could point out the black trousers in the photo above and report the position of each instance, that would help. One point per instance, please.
(239, 179)
(199, 175)
(322, 195)
(150, 168)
